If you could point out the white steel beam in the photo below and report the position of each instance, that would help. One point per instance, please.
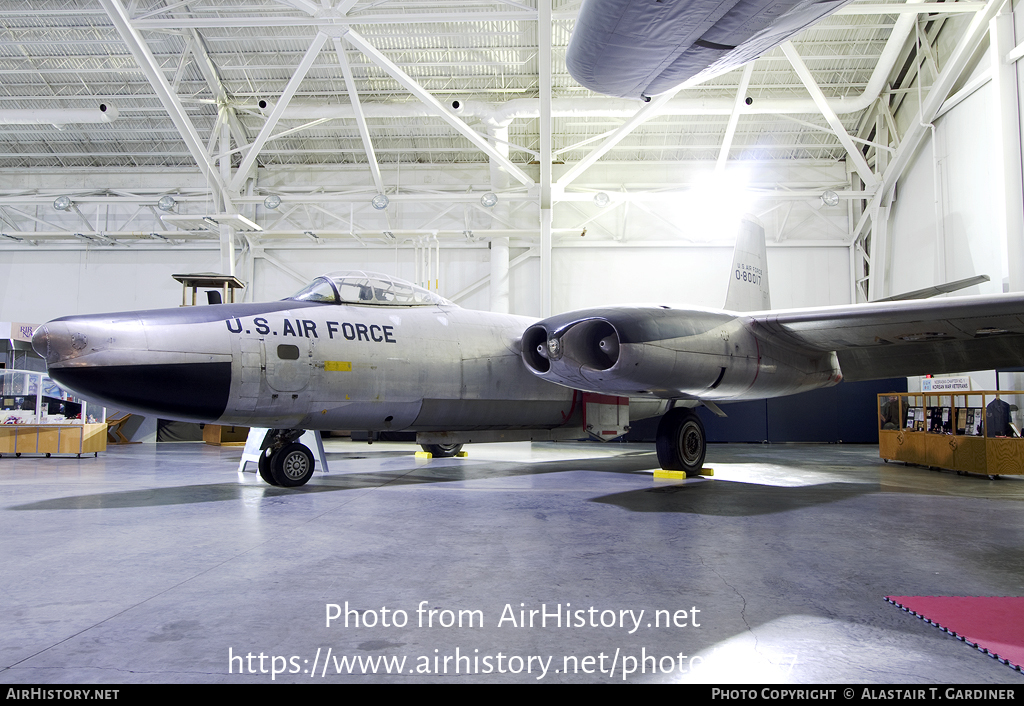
(1009, 190)
(648, 111)
(734, 118)
(869, 178)
(956, 63)
(936, 8)
(302, 5)
(544, 80)
(197, 47)
(332, 21)
(168, 98)
(546, 216)
(879, 246)
(278, 111)
(364, 131)
(410, 84)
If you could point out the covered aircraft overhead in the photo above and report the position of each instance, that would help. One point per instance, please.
(641, 48)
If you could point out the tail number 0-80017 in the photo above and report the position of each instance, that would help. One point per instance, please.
(749, 274)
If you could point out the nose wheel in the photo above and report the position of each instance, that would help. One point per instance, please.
(264, 466)
(681, 441)
(292, 466)
(288, 466)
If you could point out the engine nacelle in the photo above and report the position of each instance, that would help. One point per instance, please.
(672, 354)
(593, 344)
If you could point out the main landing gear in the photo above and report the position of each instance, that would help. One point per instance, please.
(681, 441)
(442, 450)
(284, 461)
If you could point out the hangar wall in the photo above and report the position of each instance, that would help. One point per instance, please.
(965, 241)
(943, 224)
(656, 250)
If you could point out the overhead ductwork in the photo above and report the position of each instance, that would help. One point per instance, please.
(58, 117)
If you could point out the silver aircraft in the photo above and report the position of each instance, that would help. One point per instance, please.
(353, 350)
(363, 351)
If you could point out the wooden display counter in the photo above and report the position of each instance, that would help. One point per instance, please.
(49, 439)
(217, 435)
(967, 432)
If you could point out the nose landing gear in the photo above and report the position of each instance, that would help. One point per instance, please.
(283, 461)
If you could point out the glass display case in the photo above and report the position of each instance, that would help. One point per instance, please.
(38, 416)
(967, 432)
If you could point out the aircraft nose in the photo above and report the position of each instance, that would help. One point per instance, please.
(55, 341)
(147, 365)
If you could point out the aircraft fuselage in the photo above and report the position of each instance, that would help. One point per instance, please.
(308, 365)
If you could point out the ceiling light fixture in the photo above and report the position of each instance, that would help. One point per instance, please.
(62, 203)
(489, 199)
(829, 198)
(602, 199)
(380, 202)
(166, 203)
(272, 201)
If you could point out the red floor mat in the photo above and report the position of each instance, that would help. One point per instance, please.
(994, 625)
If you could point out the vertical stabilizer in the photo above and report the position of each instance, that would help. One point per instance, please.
(748, 279)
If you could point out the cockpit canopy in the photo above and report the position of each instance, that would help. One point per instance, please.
(368, 289)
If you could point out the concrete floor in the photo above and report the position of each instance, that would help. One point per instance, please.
(159, 563)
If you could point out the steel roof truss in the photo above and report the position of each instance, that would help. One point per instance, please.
(275, 115)
(645, 113)
(410, 84)
(830, 115)
(734, 117)
(154, 73)
(357, 108)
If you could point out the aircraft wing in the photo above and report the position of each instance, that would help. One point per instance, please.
(713, 355)
(894, 339)
(635, 49)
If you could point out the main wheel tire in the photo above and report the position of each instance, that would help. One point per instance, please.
(681, 441)
(442, 450)
(264, 466)
(292, 465)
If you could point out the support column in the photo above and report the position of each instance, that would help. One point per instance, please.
(499, 276)
(545, 262)
(1009, 191)
(227, 250)
(879, 219)
(544, 76)
(499, 284)
(227, 233)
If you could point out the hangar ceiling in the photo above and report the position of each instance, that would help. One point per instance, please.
(70, 55)
(222, 90)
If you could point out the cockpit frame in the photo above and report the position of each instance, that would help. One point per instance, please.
(356, 287)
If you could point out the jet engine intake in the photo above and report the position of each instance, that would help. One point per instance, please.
(572, 354)
(534, 352)
(593, 344)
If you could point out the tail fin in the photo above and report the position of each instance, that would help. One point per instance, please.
(748, 280)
